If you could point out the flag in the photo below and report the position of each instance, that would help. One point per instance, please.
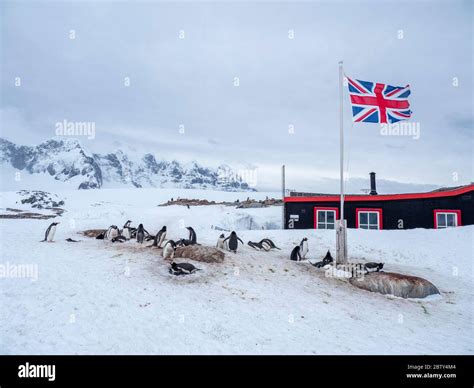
(378, 103)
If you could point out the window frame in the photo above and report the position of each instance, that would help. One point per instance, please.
(370, 210)
(323, 208)
(457, 217)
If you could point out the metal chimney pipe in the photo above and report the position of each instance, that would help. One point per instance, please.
(373, 189)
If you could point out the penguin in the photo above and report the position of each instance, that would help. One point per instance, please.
(304, 247)
(126, 230)
(101, 235)
(50, 232)
(295, 254)
(168, 249)
(71, 240)
(119, 239)
(372, 267)
(183, 268)
(141, 233)
(325, 261)
(192, 235)
(266, 242)
(220, 241)
(183, 242)
(160, 237)
(233, 242)
(255, 245)
(111, 233)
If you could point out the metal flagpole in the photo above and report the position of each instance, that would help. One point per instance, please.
(341, 239)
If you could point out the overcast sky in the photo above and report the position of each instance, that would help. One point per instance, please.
(282, 82)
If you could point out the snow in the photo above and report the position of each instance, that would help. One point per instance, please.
(95, 297)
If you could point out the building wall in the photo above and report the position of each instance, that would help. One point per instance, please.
(415, 213)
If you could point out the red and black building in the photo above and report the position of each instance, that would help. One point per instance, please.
(442, 208)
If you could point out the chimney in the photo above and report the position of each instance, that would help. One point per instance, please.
(373, 189)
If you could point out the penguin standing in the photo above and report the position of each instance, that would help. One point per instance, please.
(160, 237)
(112, 232)
(233, 242)
(126, 230)
(192, 235)
(295, 254)
(220, 241)
(304, 247)
(141, 233)
(50, 232)
(168, 249)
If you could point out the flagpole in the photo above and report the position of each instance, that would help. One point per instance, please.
(341, 236)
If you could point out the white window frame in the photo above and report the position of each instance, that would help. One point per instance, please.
(368, 212)
(445, 214)
(326, 218)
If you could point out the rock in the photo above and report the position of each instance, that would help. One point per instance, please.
(93, 232)
(396, 284)
(200, 253)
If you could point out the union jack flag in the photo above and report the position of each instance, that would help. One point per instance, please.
(378, 103)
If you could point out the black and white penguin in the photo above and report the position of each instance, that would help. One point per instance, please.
(120, 239)
(233, 242)
(160, 237)
(304, 247)
(183, 242)
(220, 241)
(111, 233)
(268, 244)
(141, 233)
(373, 267)
(325, 261)
(255, 245)
(126, 230)
(295, 254)
(50, 232)
(192, 235)
(183, 268)
(168, 249)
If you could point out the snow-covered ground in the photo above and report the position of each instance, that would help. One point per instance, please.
(95, 297)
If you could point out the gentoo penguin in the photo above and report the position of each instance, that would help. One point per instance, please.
(266, 242)
(50, 232)
(119, 239)
(255, 245)
(140, 234)
(233, 242)
(304, 247)
(325, 261)
(168, 249)
(183, 268)
(126, 230)
(295, 254)
(220, 241)
(112, 232)
(183, 242)
(160, 237)
(373, 267)
(192, 235)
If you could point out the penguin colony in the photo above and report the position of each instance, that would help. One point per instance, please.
(229, 243)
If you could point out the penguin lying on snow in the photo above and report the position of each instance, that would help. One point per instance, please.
(71, 240)
(233, 242)
(372, 267)
(50, 232)
(266, 244)
(182, 269)
(120, 239)
(326, 260)
(183, 242)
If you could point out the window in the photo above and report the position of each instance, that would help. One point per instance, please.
(325, 217)
(447, 218)
(369, 218)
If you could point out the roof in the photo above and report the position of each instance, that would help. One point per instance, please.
(439, 193)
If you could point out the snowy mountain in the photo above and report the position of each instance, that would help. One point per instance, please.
(66, 161)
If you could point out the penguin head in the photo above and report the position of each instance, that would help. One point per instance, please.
(222, 235)
(380, 265)
(233, 233)
(305, 239)
(55, 223)
(163, 228)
